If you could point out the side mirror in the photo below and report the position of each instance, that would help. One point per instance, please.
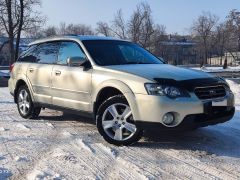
(76, 61)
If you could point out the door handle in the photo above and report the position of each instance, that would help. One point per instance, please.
(57, 73)
(31, 70)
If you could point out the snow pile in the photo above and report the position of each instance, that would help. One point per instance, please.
(111, 152)
(218, 69)
(38, 175)
(23, 127)
(2, 129)
(20, 158)
(49, 125)
(67, 134)
(84, 145)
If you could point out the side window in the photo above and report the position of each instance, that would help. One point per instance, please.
(47, 53)
(29, 55)
(69, 49)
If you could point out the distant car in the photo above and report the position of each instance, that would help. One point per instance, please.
(237, 62)
(4, 75)
(123, 86)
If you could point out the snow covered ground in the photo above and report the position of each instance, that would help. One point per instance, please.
(61, 146)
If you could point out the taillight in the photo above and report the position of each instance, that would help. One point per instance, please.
(11, 67)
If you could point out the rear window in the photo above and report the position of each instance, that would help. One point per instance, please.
(45, 53)
(26, 56)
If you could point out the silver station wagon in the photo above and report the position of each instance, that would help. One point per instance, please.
(122, 86)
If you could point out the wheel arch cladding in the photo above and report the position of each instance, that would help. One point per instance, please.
(119, 88)
(19, 83)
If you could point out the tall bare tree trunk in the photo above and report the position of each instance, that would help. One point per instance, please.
(205, 51)
(19, 29)
(239, 44)
(10, 29)
(205, 56)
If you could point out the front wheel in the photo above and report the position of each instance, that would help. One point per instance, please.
(25, 105)
(115, 122)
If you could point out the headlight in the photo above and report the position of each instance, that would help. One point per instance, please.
(163, 90)
(227, 86)
(223, 80)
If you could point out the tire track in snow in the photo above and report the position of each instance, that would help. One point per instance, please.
(41, 155)
(201, 166)
(119, 165)
(167, 164)
(86, 156)
(106, 163)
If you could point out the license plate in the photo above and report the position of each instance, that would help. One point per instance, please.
(220, 103)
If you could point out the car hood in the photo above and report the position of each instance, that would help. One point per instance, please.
(152, 71)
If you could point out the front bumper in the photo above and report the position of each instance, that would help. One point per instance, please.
(191, 121)
(189, 112)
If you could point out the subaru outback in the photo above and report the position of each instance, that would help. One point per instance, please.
(125, 88)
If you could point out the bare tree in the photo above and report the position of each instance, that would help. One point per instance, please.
(140, 28)
(34, 32)
(221, 39)
(17, 16)
(134, 24)
(49, 31)
(233, 22)
(62, 28)
(203, 28)
(1, 31)
(158, 36)
(104, 29)
(119, 25)
(20, 27)
(79, 29)
(141, 25)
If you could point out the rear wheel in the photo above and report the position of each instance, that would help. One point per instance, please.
(115, 122)
(25, 105)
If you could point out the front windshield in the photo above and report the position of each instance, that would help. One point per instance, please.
(113, 52)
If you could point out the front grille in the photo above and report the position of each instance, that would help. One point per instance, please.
(210, 92)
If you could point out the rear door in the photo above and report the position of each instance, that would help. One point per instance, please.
(71, 86)
(39, 72)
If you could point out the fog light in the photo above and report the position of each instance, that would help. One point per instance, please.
(168, 118)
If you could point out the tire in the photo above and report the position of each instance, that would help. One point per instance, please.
(119, 128)
(25, 105)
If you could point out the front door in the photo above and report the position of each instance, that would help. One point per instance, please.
(71, 86)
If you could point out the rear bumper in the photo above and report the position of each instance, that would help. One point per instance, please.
(11, 86)
(193, 121)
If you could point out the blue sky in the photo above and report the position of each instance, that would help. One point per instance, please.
(176, 15)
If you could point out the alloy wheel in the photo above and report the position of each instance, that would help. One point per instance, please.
(24, 102)
(118, 123)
